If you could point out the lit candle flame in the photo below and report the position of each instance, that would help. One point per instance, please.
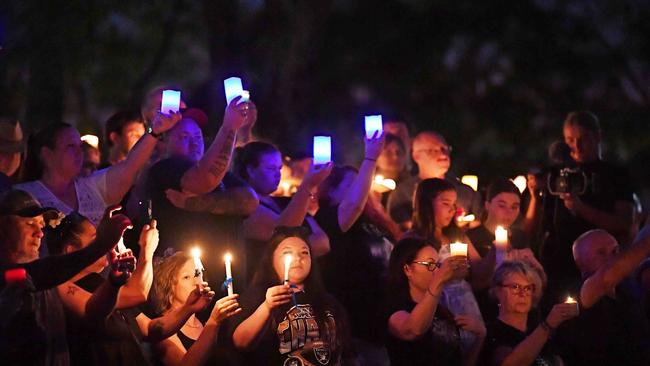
(228, 259)
(458, 249)
(287, 263)
(570, 300)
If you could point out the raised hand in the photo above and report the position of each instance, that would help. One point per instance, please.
(112, 226)
(199, 298)
(122, 266)
(374, 145)
(316, 175)
(237, 115)
(277, 296)
(224, 308)
(149, 237)
(164, 122)
(561, 312)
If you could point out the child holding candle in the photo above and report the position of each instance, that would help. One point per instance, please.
(265, 331)
(193, 343)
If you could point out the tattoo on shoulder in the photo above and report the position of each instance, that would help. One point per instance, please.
(72, 290)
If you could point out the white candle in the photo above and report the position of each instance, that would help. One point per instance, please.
(228, 259)
(501, 237)
(458, 249)
(287, 263)
(470, 180)
(521, 182)
(198, 266)
(121, 248)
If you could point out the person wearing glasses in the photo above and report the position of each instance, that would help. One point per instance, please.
(517, 337)
(432, 155)
(421, 331)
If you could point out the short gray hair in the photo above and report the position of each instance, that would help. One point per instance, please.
(509, 267)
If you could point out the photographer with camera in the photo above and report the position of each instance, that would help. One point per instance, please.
(585, 193)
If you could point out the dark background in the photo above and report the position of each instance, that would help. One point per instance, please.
(495, 77)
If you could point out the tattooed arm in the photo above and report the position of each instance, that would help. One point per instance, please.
(210, 170)
(237, 201)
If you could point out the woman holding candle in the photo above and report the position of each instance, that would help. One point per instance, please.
(104, 324)
(421, 330)
(517, 337)
(194, 342)
(266, 330)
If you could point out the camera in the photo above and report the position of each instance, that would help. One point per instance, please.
(567, 180)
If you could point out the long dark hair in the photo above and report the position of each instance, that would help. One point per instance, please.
(315, 292)
(424, 223)
(33, 167)
(404, 253)
(66, 233)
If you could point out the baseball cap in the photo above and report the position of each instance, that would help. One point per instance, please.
(20, 203)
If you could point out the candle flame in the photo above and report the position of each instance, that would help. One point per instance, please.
(287, 259)
(227, 257)
(196, 252)
(521, 182)
(570, 300)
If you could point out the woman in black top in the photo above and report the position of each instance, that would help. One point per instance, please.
(516, 338)
(422, 332)
(297, 322)
(192, 345)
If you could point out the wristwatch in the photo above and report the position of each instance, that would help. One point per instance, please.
(155, 135)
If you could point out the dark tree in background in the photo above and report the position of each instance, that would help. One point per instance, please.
(496, 78)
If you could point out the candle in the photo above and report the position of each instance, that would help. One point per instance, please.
(228, 259)
(466, 218)
(373, 125)
(458, 249)
(521, 182)
(233, 88)
(121, 248)
(287, 263)
(322, 150)
(501, 237)
(171, 101)
(470, 180)
(379, 179)
(198, 266)
(389, 183)
(91, 140)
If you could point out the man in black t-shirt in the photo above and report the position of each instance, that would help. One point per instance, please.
(174, 183)
(606, 204)
(611, 328)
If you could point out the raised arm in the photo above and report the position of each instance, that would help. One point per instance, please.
(411, 326)
(248, 334)
(173, 353)
(615, 270)
(155, 330)
(210, 170)
(355, 198)
(236, 201)
(527, 350)
(136, 290)
(54, 270)
(120, 177)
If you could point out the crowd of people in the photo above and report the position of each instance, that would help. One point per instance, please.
(326, 265)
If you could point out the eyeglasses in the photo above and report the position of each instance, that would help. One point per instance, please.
(431, 266)
(517, 289)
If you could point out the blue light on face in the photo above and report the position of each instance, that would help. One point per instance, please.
(322, 149)
(171, 101)
(373, 124)
(233, 88)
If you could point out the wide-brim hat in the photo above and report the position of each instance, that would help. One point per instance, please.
(11, 136)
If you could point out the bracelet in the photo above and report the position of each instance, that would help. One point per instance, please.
(153, 134)
(370, 159)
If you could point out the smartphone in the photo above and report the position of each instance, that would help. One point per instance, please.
(322, 149)
(171, 101)
(233, 88)
(374, 124)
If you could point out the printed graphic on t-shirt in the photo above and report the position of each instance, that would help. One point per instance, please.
(301, 339)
